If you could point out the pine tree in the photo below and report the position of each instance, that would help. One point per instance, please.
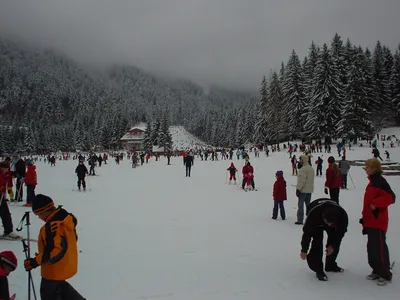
(395, 83)
(165, 137)
(147, 141)
(293, 94)
(338, 54)
(261, 123)
(275, 110)
(327, 98)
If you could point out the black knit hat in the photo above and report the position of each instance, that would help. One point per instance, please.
(41, 203)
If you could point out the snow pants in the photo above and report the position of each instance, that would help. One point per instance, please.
(5, 215)
(334, 194)
(232, 176)
(305, 198)
(378, 253)
(58, 290)
(319, 170)
(81, 181)
(91, 171)
(294, 169)
(314, 257)
(278, 204)
(19, 191)
(344, 181)
(188, 169)
(245, 181)
(30, 193)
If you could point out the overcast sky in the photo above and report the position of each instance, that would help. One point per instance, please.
(227, 42)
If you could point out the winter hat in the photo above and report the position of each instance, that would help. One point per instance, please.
(304, 159)
(373, 163)
(29, 162)
(331, 160)
(4, 165)
(279, 174)
(8, 257)
(41, 203)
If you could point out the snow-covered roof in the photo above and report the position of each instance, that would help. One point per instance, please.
(141, 126)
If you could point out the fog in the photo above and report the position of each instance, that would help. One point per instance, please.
(231, 43)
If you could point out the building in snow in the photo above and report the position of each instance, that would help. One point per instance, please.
(133, 138)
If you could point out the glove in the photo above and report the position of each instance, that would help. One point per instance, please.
(30, 264)
(298, 193)
(326, 191)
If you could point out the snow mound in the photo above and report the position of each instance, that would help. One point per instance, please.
(183, 140)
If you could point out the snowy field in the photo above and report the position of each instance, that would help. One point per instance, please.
(152, 233)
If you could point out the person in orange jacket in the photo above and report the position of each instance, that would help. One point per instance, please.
(58, 250)
(30, 182)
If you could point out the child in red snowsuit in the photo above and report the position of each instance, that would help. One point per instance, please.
(232, 171)
(30, 182)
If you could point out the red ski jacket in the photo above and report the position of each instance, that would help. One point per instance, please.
(279, 192)
(3, 183)
(247, 169)
(379, 194)
(4, 292)
(9, 178)
(333, 180)
(31, 177)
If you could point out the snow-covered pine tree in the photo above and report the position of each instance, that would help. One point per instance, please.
(355, 121)
(338, 54)
(147, 141)
(260, 133)
(395, 83)
(275, 110)
(326, 100)
(293, 94)
(155, 132)
(165, 137)
(388, 62)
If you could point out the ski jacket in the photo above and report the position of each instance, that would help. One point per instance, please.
(81, 171)
(3, 183)
(4, 289)
(333, 180)
(247, 169)
(279, 191)
(379, 194)
(9, 178)
(20, 168)
(305, 178)
(315, 223)
(189, 160)
(57, 244)
(232, 170)
(344, 167)
(320, 161)
(31, 176)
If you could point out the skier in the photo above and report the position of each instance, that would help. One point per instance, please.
(323, 215)
(304, 187)
(19, 172)
(248, 176)
(30, 182)
(377, 198)
(92, 164)
(81, 171)
(387, 155)
(9, 178)
(376, 153)
(294, 164)
(8, 263)
(188, 162)
(344, 167)
(58, 251)
(333, 181)
(4, 210)
(319, 163)
(232, 173)
(279, 195)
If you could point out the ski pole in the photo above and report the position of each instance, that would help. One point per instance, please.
(226, 177)
(352, 180)
(27, 250)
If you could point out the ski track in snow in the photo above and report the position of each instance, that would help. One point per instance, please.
(152, 233)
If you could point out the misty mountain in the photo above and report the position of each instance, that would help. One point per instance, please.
(61, 104)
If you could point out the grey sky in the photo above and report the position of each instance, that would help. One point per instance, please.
(226, 42)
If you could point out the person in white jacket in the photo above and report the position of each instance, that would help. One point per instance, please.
(304, 187)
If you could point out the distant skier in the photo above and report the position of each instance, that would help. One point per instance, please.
(232, 172)
(248, 175)
(188, 162)
(19, 172)
(279, 195)
(319, 163)
(30, 182)
(376, 153)
(81, 171)
(333, 180)
(344, 167)
(387, 155)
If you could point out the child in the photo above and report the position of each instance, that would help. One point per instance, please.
(81, 171)
(279, 195)
(232, 171)
(387, 155)
(30, 182)
(8, 263)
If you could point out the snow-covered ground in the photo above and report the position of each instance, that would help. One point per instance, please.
(184, 140)
(152, 233)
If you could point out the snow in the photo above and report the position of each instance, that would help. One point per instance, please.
(183, 140)
(152, 233)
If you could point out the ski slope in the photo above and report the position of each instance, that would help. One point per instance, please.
(152, 233)
(183, 140)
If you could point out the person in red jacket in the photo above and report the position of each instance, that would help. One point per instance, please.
(375, 218)
(30, 182)
(246, 170)
(232, 173)
(279, 195)
(8, 263)
(333, 180)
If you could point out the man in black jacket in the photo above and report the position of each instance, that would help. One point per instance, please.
(323, 215)
(188, 162)
(81, 171)
(19, 173)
